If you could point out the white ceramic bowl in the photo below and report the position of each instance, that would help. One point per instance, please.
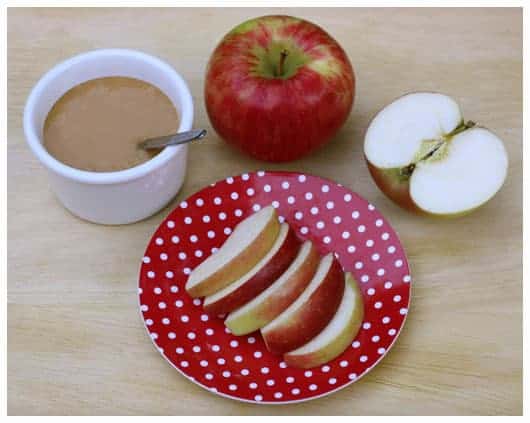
(111, 197)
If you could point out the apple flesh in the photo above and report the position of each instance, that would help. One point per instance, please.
(424, 157)
(249, 242)
(310, 312)
(277, 87)
(259, 278)
(276, 298)
(337, 335)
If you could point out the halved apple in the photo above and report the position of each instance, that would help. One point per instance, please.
(250, 240)
(424, 157)
(276, 298)
(311, 311)
(337, 335)
(259, 278)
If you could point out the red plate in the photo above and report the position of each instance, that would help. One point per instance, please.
(335, 219)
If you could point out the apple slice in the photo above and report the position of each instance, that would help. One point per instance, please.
(337, 335)
(251, 239)
(424, 157)
(276, 298)
(310, 312)
(259, 278)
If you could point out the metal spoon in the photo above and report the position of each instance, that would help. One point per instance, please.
(174, 139)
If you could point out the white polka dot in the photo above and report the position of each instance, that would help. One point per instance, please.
(250, 192)
(253, 385)
(230, 180)
(313, 387)
(371, 207)
(144, 307)
(375, 338)
(179, 350)
(169, 275)
(194, 238)
(163, 256)
(391, 332)
(197, 301)
(359, 265)
(370, 243)
(245, 176)
(304, 230)
(149, 322)
(203, 363)
(345, 235)
(196, 348)
(281, 219)
(226, 373)
(337, 220)
(314, 210)
(356, 344)
(270, 382)
(352, 376)
(258, 354)
(184, 318)
(295, 391)
(397, 298)
(198, 253)
(188, 220)
(208, 376)
(365, 278)
(391, 249)
(308, 195)
(206, 218)
(184, 364)
(283, 364)
(217, 201)
(388, 285)
(251, 339)
(260, 173)
(351, 249)
(332, 381)
(347, 197)
(285, 185)
(178, 303)
(380, 272)
(289, 379)
(320, 224)
(258, 397)
(232, 387)
(290, 199)
(375, 257)
(398, 263)
(278, 395)
(403, 311)
(222, 216)
(379, 223)
(330, 205)
(146, 259)
(204, 317)
(381, 350)
(267, 188)
(183, 204)
(327, 240)
(363, 359)
(162, 305)
(355, 214)
(256, 207)
(343, 363)
(211, 234)
(367, 325)
(361, 228)
(308, 373)
(234, 196)
(275, 204)
(301, 178)
(191, 335)
(151, 274)
(227, 231)
(245, 372)
(238, 359)
(385, 236)
(182, 256)
(157, 290)
(385, 320)
(298, 215)
(186, 270)
(378, 305)
(265, 370)
(140, 290)
(234, 343)
(216, 348)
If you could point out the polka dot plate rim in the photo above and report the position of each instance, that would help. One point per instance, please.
(240, 368)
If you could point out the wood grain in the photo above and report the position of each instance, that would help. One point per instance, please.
(76, 344)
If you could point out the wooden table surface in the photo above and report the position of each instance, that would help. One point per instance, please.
(76, 343)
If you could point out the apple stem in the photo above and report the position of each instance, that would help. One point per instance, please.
(283, 56)
(462, 128)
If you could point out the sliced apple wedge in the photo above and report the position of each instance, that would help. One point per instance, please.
(424, 157)
(276, 298)
(250, 240)
(337, 335)
(311, 311)
(259, 278)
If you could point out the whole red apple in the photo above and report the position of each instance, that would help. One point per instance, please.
(277, 87)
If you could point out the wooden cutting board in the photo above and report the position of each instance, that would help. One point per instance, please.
(76, 344)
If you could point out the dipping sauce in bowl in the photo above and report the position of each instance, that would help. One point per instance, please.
(96, 125)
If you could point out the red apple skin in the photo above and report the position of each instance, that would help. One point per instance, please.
(261, 280)
(276, 119)
(311, 318)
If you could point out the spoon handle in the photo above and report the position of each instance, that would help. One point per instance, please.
(174, 139)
